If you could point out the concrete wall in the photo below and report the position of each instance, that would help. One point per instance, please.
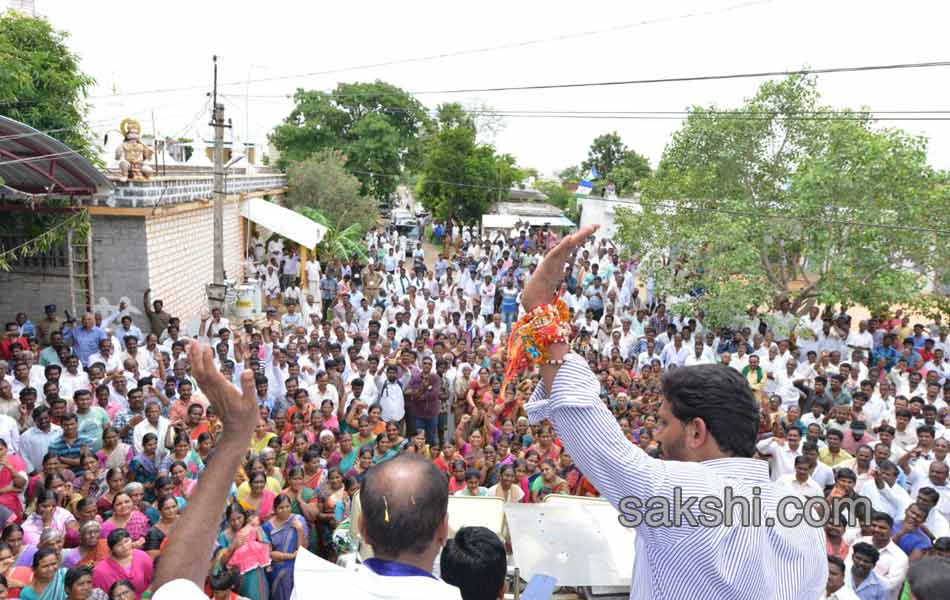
(120, 267)
(29, 291)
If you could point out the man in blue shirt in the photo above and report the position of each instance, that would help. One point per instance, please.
(84, 339)
(863, 580)
(910, 534)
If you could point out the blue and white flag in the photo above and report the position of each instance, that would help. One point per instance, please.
(584, 188)
(593, 173)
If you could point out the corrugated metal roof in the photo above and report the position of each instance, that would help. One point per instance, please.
(34, 163)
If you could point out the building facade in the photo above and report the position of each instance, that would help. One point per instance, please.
(154, 235)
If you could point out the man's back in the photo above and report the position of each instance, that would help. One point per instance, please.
(370, 585)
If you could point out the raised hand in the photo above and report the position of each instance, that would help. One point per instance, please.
(542, 285)
(236, 409)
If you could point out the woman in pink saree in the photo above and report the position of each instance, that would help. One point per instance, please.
(124, 562)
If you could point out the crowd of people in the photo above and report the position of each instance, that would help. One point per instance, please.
(105, 433)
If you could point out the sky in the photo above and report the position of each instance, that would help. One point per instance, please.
(135, 47)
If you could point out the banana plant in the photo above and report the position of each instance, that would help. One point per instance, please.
(341, 244)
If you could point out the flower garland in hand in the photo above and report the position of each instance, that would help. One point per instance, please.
(533, 334)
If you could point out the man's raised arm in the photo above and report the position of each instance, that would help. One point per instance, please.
(188, 553)
(567, 395)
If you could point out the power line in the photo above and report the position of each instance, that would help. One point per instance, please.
(92, 124)
(817, 115)
(466, 52)
(689, 78)
(678, 79)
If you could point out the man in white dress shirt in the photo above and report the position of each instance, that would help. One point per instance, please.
(800, 482)
(783, 451)
(708, 422)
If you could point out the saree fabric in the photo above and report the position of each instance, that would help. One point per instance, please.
(139, 573)
(254, 584)
(283, 538)
(56, 590)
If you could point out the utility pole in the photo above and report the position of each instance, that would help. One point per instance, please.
(217, 121)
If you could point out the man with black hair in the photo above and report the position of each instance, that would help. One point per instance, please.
(224, 582)
(475, 562)
(929, 578)
(834, 455)
(891, 564)
(865, 583)
(836, 588)
(708, 424)
(404, 517)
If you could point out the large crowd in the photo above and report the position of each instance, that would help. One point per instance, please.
(104, 433)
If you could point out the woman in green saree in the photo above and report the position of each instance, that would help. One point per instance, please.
(384, 449)
(302, 504)
(49, 578)
(253, 583)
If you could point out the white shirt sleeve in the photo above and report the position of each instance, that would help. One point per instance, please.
(179, 589)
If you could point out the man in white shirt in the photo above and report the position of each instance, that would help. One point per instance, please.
(35, 441)
(935, 479)
(73, 378)
(883, 491)
(861, 339)
(698, 355)
(800, 483)
(107, 356)
(783, 452)
(390, 396)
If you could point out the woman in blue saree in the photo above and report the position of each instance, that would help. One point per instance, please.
(287, 533)
(145, 466)
(254, 582)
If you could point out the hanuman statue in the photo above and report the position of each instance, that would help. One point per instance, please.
(132, 154)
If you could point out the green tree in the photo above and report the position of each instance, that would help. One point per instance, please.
(606, 153)
(614, 163)
(559, 197)
(783, 197)
(460, 178)
(570, 174)
(41, 83)
(321, 182)
(376, 125)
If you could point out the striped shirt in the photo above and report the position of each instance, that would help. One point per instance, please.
(673, 563)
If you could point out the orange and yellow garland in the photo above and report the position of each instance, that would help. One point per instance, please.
(533, 334)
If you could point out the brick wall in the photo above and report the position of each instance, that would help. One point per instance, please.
(181, 255)
(233, 244)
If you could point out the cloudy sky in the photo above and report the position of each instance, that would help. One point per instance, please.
(132, 47)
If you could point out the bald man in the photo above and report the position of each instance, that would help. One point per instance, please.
(404, 504)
